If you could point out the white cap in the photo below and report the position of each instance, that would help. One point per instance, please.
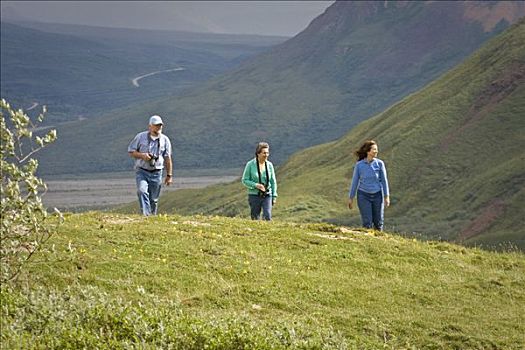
(155, 120)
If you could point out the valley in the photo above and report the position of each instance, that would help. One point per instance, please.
(106, 190)
(82, 71)
(352, 62)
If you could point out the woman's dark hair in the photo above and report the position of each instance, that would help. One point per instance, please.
(260, 147)
(361, 153)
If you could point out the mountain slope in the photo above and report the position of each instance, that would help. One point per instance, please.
(349, 64)
(453, 150)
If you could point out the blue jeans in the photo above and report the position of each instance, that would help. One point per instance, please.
(257, 203)
(371, 208)
(148, 190)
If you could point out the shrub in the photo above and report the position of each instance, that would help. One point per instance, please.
(24, 225)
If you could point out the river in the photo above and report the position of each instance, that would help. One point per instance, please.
(106, 190)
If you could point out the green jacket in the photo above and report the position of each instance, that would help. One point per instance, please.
(250, 177)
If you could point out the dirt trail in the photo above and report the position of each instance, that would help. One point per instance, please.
(135, 81)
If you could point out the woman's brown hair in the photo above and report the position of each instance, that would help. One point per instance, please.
(361, 153)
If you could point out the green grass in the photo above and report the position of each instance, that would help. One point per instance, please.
(124, 281)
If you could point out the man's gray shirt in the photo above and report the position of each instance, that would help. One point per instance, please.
(160, 148)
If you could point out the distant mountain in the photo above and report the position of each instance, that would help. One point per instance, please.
(454, 153)
(8, 13)
(157, 37)
(81, 71)
(350, 63)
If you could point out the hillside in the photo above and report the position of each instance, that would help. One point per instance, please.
(350, 63)
(454, 153)
(114, 281)
(81, 71)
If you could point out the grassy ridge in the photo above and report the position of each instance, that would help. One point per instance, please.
(453, 150)
(191, 282)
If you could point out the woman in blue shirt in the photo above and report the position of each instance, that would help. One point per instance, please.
(370, 183)
(259, 178)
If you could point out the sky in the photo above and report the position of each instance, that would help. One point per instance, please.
(283, 18)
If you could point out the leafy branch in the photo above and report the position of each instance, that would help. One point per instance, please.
(25, 225)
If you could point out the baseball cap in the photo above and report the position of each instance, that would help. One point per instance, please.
(155, 120)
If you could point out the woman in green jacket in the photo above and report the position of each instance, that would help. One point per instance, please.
(259, 178)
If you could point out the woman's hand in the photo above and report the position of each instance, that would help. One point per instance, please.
(351, 203)
(387, 201)
(260, 187)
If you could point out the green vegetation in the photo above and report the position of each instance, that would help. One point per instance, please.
(23, 228)
(352, 62)
(453, 150)
(115, 281)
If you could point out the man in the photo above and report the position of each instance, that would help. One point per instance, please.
(152, 152)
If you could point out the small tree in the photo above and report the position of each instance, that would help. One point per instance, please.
(24, 225)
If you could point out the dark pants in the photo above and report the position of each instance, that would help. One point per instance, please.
(371, 208)
(257, 203)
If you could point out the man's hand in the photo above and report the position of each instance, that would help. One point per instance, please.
(140, 155)
(169, 171)
(260, 187)
(350, 203)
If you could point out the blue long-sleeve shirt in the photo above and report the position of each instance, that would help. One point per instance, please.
(369, 177)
